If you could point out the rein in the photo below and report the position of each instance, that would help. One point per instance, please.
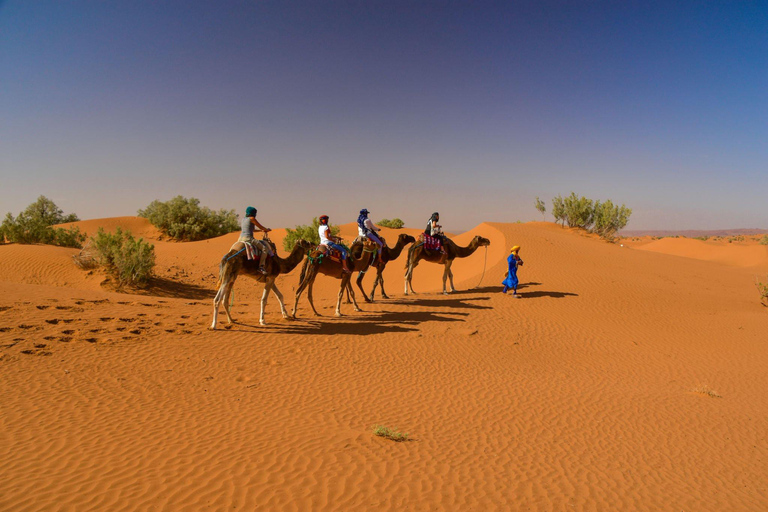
(484, 265)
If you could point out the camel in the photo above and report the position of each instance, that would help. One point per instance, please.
(452, 251)
(315, 264)
(388, 254)
(235, 263)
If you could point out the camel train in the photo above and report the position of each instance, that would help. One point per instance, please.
(331, 258)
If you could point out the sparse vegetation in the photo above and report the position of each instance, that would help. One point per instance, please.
(130, 261)
(184, 219)
(706, 390)
(394, 223)
(603, 218)
(541, 207)
(388, 433)
(308, 233)
(764, 240)
(35, 225)
(762, 289)
(703, 238)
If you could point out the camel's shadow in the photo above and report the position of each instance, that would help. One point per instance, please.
(455, 303)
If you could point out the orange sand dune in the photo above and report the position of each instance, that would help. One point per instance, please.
(622, 379)
(752, 256)
(138, 226)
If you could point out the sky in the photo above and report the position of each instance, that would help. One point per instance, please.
(472, 109)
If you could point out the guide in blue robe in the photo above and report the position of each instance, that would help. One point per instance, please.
(511, 282)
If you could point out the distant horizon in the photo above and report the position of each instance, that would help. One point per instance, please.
(472, 110)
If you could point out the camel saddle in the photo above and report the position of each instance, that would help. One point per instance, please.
(251, 249)
(431, 243)
(322, 251)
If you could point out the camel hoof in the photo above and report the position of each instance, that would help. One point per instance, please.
(358, 310)
(262, 323)
(212, 328)
(339, 314)
(385, 296)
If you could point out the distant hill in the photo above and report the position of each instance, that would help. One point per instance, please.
(691, 233)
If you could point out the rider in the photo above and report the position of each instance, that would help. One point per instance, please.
(330, 241)
(367, 229)
(246, 235)
(435, 230)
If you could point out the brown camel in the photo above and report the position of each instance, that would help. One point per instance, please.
(452, 251)
(235, 263)
(388, 254)
(315, 264)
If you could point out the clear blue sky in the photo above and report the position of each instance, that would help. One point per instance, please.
(469, 108)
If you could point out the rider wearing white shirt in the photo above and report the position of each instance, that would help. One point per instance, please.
(328, 240)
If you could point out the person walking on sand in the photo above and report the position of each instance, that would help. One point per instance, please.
(247, 226)
(510, 282)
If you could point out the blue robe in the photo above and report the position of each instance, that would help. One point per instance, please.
(511, 281)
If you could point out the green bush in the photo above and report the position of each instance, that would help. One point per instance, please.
(308, 233)
(762, 289)
(394, 223)
(129, 260)
(764, 240)
(579, 211)
(609, 218)
(35, 226)
(184, 219)
(541, 207)
(558, 209)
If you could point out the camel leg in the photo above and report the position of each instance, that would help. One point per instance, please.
(349, 301)
(380, 277)
(279, 296)
(445, 278)
(216, 303)
(300, 289)
(341, 294)
(448, 265)
(264, 298)
(373, 290)
(408, 277)
(354, 297)
(311, 298)
(360, 277)
(227, 304)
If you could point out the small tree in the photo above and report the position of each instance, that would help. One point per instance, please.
(129, 260)
(558, 209)
(184, 219)
(308, 233)
(35, 226)
(541, 207)
(394, 223)
(579, 211)
(762, 289)
(609, 218)
(764, 240)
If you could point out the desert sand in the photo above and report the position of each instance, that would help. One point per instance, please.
(625, 378)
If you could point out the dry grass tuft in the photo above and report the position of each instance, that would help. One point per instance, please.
(706, 390)
(391, 434)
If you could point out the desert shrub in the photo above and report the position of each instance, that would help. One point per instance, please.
(764, 240)
(541, 207)
(579, 211)
(703, 238)
(558, 209)
(129, 260)
(609, 218)
(184, 219)
(394, 223)
(390, 433)
(762, 289)
(35, 225)
(308, 233)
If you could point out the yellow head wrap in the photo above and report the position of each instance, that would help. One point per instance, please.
(515, 249)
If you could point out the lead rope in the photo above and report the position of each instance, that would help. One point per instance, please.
(484, 265)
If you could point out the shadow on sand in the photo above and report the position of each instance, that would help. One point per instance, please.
(161, 287)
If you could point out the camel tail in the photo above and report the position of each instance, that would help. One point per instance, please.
(408, 259)
(222, 267)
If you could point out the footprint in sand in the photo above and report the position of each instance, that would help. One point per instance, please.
(68, 331)
(62, 308)
(37, 352)
(5, 308)
(135, 331)
(91, 340)
(121, 329)
(127, 319)
(42, 307)
(40, 345)
(141, 314)
(65, 339)
(5, 329)
(185, 316)
(106, 319)
(26, 326)
(50, 338)
(68, 320)
(52, 321)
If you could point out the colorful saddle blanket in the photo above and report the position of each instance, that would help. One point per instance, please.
(432, 243)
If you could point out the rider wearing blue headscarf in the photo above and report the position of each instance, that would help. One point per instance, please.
(367, 229)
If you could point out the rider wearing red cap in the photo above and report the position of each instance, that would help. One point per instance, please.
(330, 241)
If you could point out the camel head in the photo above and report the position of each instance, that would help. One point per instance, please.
(304, 244)
(405, 239)
(480, 241)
